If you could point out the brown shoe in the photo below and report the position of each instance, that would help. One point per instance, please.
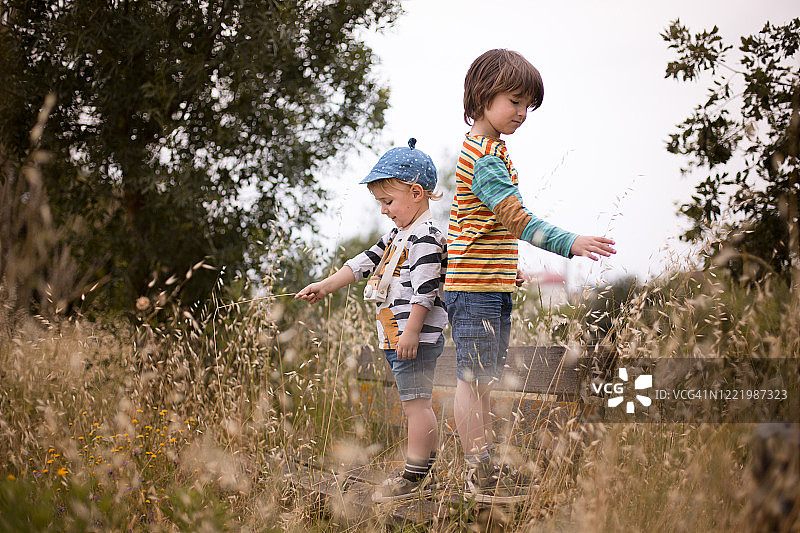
(399, 488)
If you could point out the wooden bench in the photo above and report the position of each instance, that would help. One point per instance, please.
(543, 387)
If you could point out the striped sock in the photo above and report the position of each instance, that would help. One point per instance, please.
(416, 470)
(431, 460)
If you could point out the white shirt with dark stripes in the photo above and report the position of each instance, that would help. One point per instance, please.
(417, 279)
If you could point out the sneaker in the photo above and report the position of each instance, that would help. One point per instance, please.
(399, 488)
(514, 476)
(489, 483)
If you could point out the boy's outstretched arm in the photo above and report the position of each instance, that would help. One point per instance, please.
(318, 290)
(493, 186)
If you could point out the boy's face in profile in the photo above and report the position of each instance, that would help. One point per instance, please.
(402, 205)
(503, 115)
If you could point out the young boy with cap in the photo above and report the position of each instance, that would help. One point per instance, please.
(406, 270)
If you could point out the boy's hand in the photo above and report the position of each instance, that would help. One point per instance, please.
(520, 280)
(407, 345)
(317, 291)
(589, 246)
(313, 292)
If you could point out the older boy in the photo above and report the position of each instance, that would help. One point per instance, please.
(486, 219)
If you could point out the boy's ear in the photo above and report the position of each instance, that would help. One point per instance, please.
(417, 192)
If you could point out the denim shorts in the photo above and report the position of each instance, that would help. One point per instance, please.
(481, 326)
(414, 377)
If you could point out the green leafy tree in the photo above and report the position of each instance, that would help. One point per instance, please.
(752, 118)
(185, 131)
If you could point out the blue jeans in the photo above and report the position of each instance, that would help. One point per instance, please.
(481, 326)
(414, 377)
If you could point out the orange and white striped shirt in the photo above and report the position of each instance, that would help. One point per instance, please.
(486, 219)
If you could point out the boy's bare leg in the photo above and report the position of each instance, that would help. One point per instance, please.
(487, 417)
(423, 437)
(471, 411)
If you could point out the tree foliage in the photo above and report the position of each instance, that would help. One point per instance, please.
(185, 131)
(745, 136)
(606, 304)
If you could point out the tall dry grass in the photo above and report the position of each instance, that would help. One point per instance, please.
(186, 426)
(183, 427)
(698, 476)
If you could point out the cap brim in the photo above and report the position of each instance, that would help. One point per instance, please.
(375, 176)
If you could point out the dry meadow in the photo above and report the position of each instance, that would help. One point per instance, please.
(185, 424)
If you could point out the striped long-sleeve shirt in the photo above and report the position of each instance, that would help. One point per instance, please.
(486, 219)
(417, 279)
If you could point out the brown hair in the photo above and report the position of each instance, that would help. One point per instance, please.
(498, 71)
(386, 184)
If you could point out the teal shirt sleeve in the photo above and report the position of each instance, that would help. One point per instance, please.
(491, 183)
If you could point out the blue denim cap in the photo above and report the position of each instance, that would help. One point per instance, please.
(406, 164)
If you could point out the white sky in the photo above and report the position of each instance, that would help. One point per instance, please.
(592, 159)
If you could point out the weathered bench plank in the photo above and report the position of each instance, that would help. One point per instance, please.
(534, 369)
(540, 388)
